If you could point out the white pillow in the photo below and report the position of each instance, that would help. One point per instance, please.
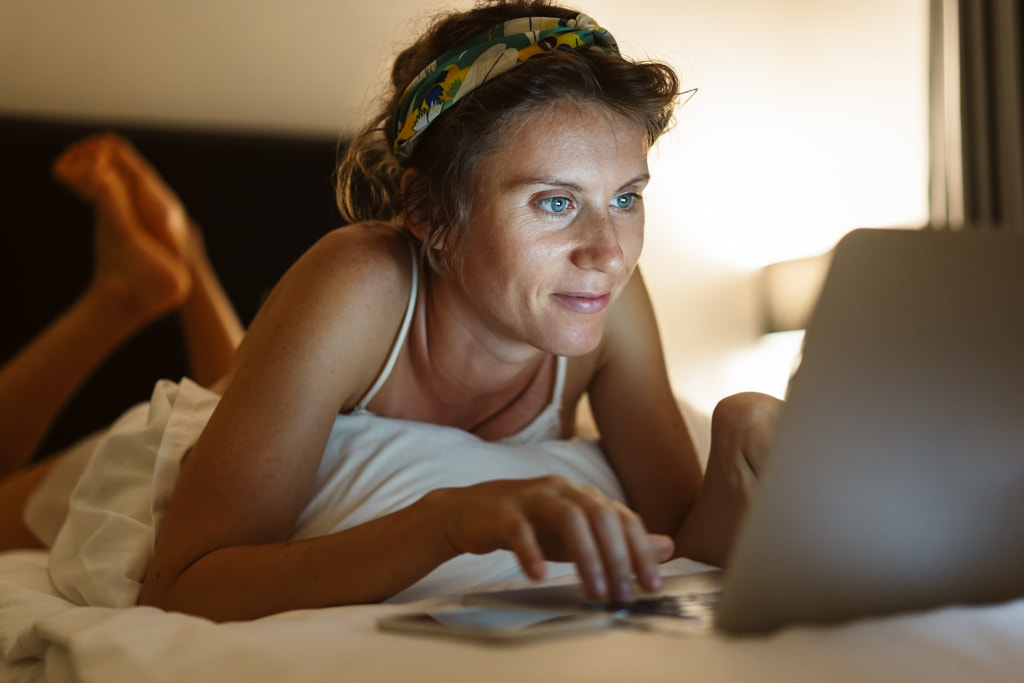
(371, 466)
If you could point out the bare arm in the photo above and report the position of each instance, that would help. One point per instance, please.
(367, 563)
(741, 429)
(538, 519)
(310, 353)
(649, 446)
(641, 428)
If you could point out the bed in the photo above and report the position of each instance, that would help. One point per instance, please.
(44, 636)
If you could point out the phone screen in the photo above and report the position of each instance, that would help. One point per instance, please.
(489, 623)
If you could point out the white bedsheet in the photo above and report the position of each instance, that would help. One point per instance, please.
(44, 637)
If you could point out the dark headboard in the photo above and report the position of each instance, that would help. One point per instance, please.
(261, 200)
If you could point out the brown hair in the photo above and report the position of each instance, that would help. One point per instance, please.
(369, 178)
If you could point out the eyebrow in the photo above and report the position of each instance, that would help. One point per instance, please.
(567, 184)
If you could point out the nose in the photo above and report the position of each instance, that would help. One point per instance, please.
(598, 246)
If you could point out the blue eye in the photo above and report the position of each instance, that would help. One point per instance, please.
(555, 204)
(625, 201)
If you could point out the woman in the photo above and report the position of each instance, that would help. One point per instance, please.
(523, 199)
(487, 283)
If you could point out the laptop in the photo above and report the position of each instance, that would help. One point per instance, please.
(895, 480)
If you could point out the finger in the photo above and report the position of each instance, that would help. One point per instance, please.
(622, 541)
(599, 545)
(645, 550)
(522, 541)
(663, 547)
(575, 534)
(616, 551)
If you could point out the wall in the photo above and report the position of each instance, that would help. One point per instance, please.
(810, 120)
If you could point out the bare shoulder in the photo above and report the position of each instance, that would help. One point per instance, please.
(335, 305)
(365, 255)
(359, 265)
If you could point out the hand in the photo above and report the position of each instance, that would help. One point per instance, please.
(741, 431)
(551, 518)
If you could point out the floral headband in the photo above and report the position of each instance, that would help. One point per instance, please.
(481, 59)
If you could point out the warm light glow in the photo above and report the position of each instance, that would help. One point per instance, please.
(811, 120)
(791, 144)
(789, 291)
(764, 366)
(767, 365)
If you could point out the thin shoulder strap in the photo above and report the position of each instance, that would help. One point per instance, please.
(410, 308)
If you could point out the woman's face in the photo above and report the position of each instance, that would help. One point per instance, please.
(557, 225)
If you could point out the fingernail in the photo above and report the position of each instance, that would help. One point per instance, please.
(600, 587)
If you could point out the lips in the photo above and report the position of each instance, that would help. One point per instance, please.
(584, 303)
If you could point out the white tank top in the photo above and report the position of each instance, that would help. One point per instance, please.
(546, 426)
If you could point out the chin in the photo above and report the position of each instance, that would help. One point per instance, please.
(578, 343)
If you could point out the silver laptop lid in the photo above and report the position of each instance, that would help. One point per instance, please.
(896, 478)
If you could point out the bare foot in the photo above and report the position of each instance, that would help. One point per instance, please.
(76, 167)
(156, 205)
(139, 275)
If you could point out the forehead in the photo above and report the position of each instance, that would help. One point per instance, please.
(566, 137)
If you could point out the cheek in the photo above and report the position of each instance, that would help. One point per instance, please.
(632, 244)
(638, 243)
(508, 270)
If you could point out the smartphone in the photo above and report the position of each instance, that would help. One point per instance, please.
(497, 624)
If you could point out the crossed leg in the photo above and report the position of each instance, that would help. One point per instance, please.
(212, 328)
(149, 259)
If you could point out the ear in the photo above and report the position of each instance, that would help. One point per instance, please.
(416, 205)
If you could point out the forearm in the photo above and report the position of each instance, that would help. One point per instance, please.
(708, 532)
(741, 430)
(38, 382)
(364, 564)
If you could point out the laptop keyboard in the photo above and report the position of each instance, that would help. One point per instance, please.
(697, 606)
